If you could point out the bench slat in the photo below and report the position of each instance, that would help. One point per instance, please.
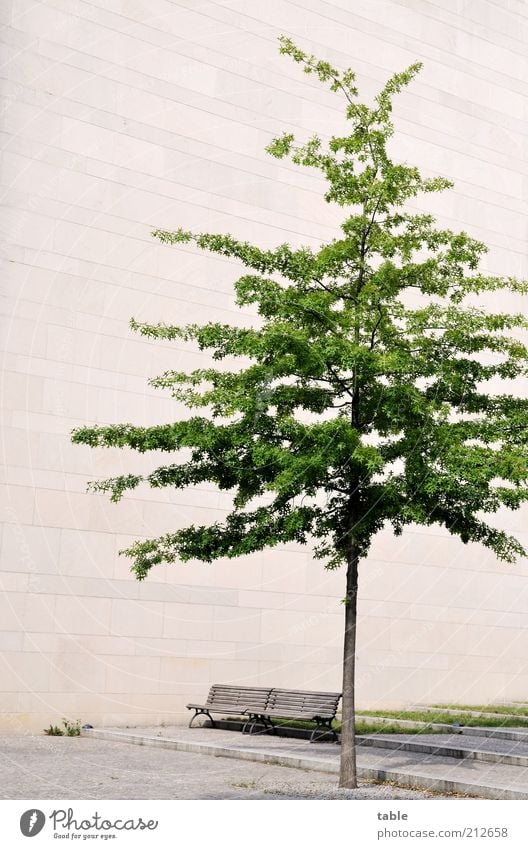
(273, 701)
(306, 692)
(221, 707)
(299, 713)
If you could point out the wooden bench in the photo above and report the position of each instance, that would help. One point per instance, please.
(296, 704)
(227, 699)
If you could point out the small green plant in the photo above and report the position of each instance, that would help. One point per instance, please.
(71, 729)
(54, 731)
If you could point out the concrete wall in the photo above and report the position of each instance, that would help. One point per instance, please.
(122, 115)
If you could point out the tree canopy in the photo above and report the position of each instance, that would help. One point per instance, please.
(398, 419)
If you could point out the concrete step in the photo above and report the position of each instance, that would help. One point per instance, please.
(407, 768)
(467, 777)
(523, 720)
(506, 752)
(520, 733)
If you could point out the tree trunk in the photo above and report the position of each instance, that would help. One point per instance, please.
(348, 773)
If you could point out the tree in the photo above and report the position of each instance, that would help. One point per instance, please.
(359, 397)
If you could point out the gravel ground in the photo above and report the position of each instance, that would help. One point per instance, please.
(39, 767)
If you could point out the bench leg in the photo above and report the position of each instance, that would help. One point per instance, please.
(200, 712)
(257, 719)
(269, 724)
(323, 727)
(250, 722)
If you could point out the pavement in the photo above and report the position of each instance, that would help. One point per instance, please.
(39, 767)
(211, 763)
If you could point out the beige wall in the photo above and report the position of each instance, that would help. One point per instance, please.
(121, 115)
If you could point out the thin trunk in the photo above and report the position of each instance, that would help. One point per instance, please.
(348, 768)
(348, 772)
